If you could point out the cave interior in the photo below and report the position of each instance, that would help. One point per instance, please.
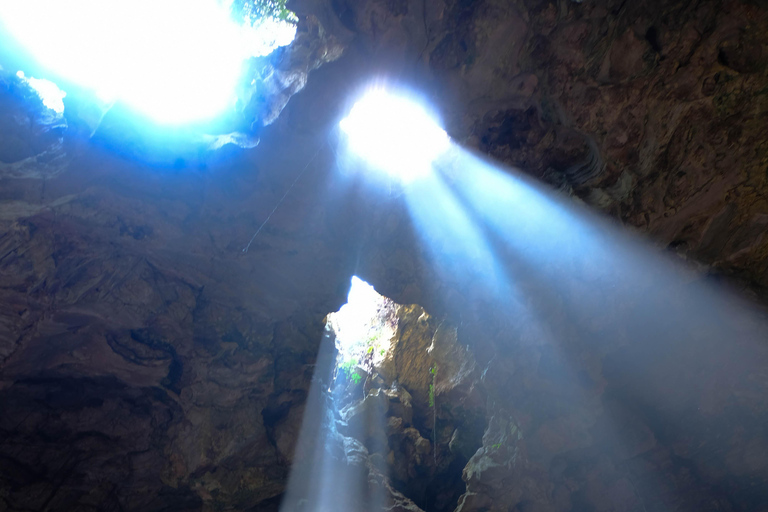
(529, 275)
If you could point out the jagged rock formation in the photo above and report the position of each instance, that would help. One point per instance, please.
(378, 445)
(423, 411)
(148, 363)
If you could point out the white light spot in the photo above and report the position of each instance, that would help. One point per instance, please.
(394, 134)
(48, 91)
(353, 321)
(174, 61)
(364, 326)
(267, 35)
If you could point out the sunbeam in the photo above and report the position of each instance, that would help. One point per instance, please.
(593, 285)
(452, 240)
(575, 286)
(344, 421)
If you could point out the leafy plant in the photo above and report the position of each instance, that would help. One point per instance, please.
(356, 377)
(347, 366)
(433, 372)
(254, 11)
(382, 351)
(373, 339)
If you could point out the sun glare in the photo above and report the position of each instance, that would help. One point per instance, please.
(50, 94)
(174, 61)
(394, 134)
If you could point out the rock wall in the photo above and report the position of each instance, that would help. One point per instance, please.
(137, 372)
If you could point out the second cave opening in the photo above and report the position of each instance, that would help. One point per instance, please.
(396, 396)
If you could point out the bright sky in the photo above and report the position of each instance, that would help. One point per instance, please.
(353, 320)
(174, 61)
(48, 91)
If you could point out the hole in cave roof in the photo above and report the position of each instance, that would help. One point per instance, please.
(185, 68)
(363, 326)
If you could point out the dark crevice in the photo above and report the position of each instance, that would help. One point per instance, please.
(652, 36)
(722, 58)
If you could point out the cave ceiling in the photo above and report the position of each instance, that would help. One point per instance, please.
(148, 361)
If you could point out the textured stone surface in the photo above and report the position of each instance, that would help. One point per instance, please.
(137, 372)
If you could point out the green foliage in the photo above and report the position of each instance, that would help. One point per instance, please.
(348, 368)
(369, 351)
(373, 339)
(348, 365)
(433, 372)
(382, 351)
(496, 446)
(256, 10)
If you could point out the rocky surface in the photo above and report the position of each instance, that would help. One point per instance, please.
(148, 362)
(132, 379)
(377, 444)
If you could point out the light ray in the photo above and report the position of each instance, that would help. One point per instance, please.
(331, 469)
(594, 294)
(457, 249)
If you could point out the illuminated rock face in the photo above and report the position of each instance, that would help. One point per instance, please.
(148, 363)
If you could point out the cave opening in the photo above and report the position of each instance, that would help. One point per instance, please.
(395, 133)
(363, 329)
(389, 396)
(189, 66)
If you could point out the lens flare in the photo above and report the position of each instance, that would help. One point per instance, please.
(174, 61)
(394, 134)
